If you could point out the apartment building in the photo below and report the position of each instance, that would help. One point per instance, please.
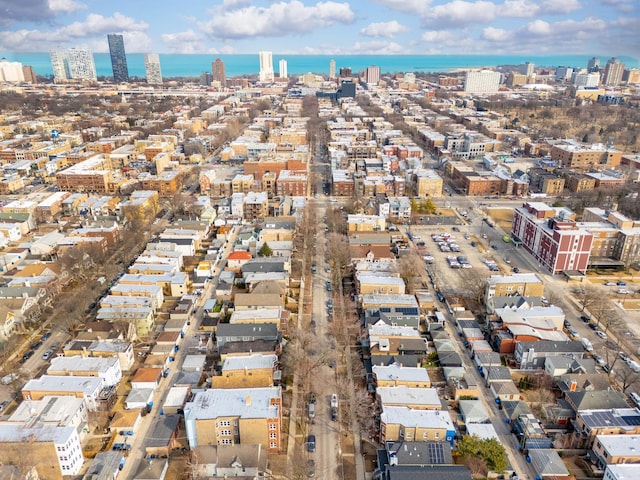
(552, 237)
(427, 183)
(404, 423)
(581, 157)
(616, 449)
(292, 183)
(235, 416)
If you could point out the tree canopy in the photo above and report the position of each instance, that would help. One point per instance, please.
(489, 450)
(265, 250)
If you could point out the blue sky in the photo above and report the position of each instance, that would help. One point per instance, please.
(536, 27)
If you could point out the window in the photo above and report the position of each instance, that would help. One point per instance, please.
(272, 426)
(273, 445)
(437, 435)
(273, 435)
(225, 441)
(225, 432)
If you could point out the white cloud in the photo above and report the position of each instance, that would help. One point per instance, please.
(408, 6)
(539, 27)
(278, 19)
(625, 6)
(378, 47)
(383, 29)
(460, 13)
(496, 34)
(460, 41)
(233, 4)
(183, 42)
(531, 8)
(90, 32)
(66, 6)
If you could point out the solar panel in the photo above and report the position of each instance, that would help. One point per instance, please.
(436, 452)
(633, 420)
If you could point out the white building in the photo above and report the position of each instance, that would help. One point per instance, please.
(332, 69)
(482, 81)
(11, 71)
(65, 440)
(107, 368)
(622, 472)
(152, 67)
(282, 68)
(588, 80)
(266, 67)
(63, 411)
(81, 64)
(60, 66)
(373, 75)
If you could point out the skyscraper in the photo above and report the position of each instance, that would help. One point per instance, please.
(282, 68)
(11, 71)
(372, 75)
(266, 67)
(526, 68)
(332, 69)
(593, 65)
(613, 72)
(118, 58)
(60, 66)
(219, 73)
(29, 74)
(152, 67)
(81, 65)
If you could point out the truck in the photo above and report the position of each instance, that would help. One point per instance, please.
(587, 344)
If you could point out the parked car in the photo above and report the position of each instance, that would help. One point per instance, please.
(46, 336)
(601, 334)
(311, 443)
(47, 355)
(567, 324)
(311, 468)
(621, 284)
(623, 356)
(584, 318)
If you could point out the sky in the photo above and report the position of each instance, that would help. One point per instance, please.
(535, 27)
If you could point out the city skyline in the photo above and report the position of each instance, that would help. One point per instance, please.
(334, 28)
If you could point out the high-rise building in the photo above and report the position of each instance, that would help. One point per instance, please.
(60, 66)
(630, 76)
(482, 81)
(29, 74)
(613, 72)
(593, 65)
(346, 72)
(81, 64)
(282, 68)
(372, 75)
(332, 69)
(218, 72)
(266, 67)
(206, 78)
(152, 67)
(11, 71)
(563, 73)
(527, 68)
(118, 58)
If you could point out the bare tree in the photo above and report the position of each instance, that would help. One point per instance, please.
(626, 377)
(588, 296)
(409, 268)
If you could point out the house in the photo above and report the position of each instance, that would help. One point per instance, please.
(374, 285)
(547, 463)
(146, 378)
(57, 410)
(415, 398)
(230, 461)
(152, 470)
(530, 432)
(104, 466)
(87, 388)
(428, 472)
(397, 423)
(394, 375)
(236, 260)
(107, 368)
(615, 449)
(559, 366)
(596, 400)
(163, 438)
(246, 371)
(235, 416)
(485, 431)
(532, 355)
(473, 411)
(255, 301)
(618, 421)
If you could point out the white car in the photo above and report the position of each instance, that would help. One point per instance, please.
(623, 291)
(601, 334)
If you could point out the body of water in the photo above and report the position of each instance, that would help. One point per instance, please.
(180, 65)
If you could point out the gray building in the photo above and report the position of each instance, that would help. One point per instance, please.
(118, 58)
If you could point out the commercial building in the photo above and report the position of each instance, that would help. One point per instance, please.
(615, 449)
(81, 64)
(332, 69)
(552, 237)
(483, 81)
(266, 67)
(235, 416)
(118, 58)
(152, 68)
(218, 72)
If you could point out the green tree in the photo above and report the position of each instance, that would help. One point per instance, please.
(489, 450)
(265, 250)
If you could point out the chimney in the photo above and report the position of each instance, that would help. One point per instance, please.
(247, 400)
